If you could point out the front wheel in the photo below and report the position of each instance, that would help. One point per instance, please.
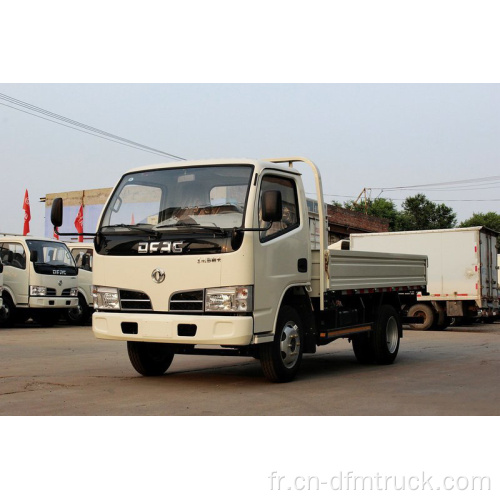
(281, 358)
(78, 315)
(150, 358)
(7, 315)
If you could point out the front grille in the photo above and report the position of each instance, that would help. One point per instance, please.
(66, 292)
(51, 292)
(187, 301)
(132, 300)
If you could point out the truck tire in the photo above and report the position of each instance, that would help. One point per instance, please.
(281, 358)
(425, 311)
(78, 315)
(8, 314)
(385, 339)
(362, 347)
(150, 359)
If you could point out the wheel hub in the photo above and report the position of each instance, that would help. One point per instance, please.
(289, 344)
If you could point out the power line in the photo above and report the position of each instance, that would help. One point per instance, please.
(78, 126)
(476, 181)
(352, 197)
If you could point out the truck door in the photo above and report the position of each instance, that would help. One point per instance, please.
(15, 274)
(488, 272)
(282, 253)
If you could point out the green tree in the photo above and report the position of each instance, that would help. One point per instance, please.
(490, 220)
(380, 207)
(418, 213)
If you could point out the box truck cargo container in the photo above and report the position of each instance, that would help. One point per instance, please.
(462, 274)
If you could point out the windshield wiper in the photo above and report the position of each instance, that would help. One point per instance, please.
(146, 230)
(194, 225)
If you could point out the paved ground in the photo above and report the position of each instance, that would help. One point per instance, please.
(65, 371)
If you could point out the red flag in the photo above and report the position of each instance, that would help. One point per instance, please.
(132, 222)
(56, 236)
(27, 214)
(79, 223)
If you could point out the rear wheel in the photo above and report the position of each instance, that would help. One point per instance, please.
(150, 358)
(281, 358)
(382, 345)
(362, 347)
(386, 337)
(425, 312)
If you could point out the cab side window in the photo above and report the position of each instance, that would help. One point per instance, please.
(83, 258)
(289, 205)
(13, 254)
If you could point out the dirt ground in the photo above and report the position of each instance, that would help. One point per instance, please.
(65, 371)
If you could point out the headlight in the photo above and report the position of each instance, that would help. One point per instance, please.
(229, 299)
(38, 291)
(73, 292)
(105, 297)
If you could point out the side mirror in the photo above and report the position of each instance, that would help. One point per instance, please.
(33, 256)
(56, 214)
(272, 209)
(85, 260)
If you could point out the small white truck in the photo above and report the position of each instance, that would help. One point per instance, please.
(462, 279)
(83, 255)
(39, 279)
(214, 257)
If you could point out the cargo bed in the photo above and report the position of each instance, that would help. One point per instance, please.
(361, 271)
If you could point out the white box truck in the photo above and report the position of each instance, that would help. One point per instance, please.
(462, 275)
(39, 279)
(215, 257)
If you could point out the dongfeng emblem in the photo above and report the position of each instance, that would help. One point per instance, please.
(158, 275)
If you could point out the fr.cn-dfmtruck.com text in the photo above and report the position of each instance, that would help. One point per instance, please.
(349, 481)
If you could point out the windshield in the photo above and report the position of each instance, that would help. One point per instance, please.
(49, 256)
(166, 199)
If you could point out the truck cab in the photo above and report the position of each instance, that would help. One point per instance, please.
(40, 279)
(83, 254)
(1, 288)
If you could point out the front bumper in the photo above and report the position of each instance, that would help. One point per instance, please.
(210, 330)
(52, 302)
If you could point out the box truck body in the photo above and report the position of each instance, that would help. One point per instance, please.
(462, 274)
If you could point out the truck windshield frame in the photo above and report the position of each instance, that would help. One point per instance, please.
(179, 199)
(52, 257)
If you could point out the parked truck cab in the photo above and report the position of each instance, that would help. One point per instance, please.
(40, 279)
(83, 255)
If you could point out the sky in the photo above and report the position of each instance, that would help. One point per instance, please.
(359, 135)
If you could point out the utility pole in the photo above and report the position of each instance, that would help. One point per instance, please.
(364, 194)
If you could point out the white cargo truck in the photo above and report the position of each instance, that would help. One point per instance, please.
(39, 279)
(214, 257)
(83, 255)
(462, 276)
